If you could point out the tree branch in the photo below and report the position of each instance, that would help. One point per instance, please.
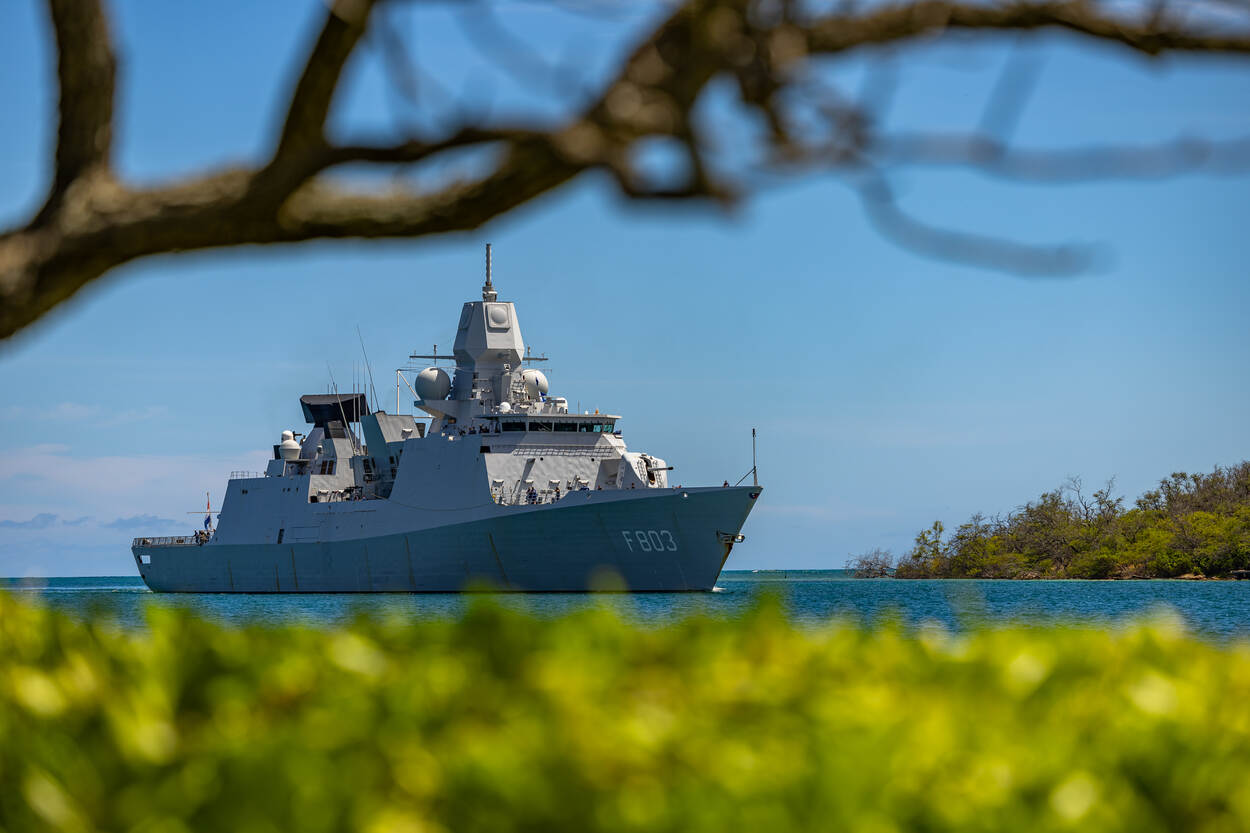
(86, 72)
(304, 128)
(1083, 164)
(892, 24)
(417, 150)
(966, 247)
(92, 223)
(531, 168)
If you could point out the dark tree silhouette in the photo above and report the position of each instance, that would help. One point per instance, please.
(876, 563)
(92, 221)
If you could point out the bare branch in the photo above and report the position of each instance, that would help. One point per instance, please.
(86, 72)
(304, 128)
(1010, 96)
(966, 247)
(92, 223)
(892, 24)
(494, 42)
(532, 167)
(417, 150)
(1084, 164)
(406, 78)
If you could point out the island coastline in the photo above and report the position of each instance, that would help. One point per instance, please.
(1192, 527)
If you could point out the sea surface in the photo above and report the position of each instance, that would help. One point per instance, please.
(1218, 610)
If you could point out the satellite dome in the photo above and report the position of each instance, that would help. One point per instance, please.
(289, 449)
(535, 383)
(505, 408)
(433, 383)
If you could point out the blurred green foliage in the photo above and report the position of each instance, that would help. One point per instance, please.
(500, 721)
(1192, 524)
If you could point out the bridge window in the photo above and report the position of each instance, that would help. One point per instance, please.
(566, 426)
(540, 426)
(514, 426)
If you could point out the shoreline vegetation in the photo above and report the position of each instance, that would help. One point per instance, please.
(502, 721)
(1193, 526)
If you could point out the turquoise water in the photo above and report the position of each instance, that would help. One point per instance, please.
(1216, 609)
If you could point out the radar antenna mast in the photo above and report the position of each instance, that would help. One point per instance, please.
(754, 472)
(372, 390)
(208, 512)
(488, 289)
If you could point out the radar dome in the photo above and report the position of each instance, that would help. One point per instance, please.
(505, 408)
(535, 383)
(433, 383)
(289, 448)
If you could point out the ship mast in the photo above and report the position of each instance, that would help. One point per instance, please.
(488, 289)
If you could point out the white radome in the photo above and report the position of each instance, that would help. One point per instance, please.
(535, 383)
(433, 383)
(289, 448)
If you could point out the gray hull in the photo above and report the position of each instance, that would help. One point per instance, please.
(669, 540)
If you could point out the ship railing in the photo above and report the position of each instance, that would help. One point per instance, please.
(561, 451)
(520, 497)
(167, 541)
(245, 475)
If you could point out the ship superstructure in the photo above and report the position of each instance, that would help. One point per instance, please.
(504, 488)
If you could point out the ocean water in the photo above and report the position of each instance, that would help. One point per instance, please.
(1218, 610)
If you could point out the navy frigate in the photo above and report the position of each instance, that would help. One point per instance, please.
(497, 486)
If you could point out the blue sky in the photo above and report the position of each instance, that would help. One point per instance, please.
(889, 390)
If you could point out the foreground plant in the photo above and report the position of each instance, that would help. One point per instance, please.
(502, 721)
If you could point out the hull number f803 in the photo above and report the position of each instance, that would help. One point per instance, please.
(649, 540)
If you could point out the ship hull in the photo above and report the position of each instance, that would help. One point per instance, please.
(671, 541)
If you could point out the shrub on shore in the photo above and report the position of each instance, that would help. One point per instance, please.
(1193, 524)
(500, 721)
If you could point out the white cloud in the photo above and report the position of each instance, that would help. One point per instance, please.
(73, 412)
(142, 522)
(116, 486)
(124, 494)
(41, 521)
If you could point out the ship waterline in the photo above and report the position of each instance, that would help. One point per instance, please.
(669, 542)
